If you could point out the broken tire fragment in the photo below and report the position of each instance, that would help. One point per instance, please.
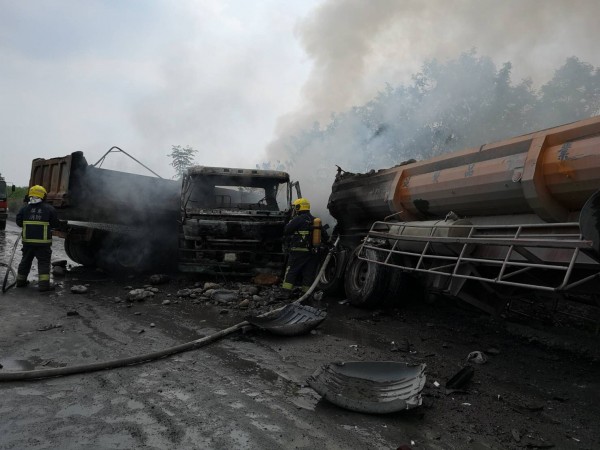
(377, 387)
(292, 320)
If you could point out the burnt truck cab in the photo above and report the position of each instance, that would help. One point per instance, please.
(232, 220)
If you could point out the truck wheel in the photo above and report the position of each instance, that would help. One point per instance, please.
(132, 258)
(81, 252)
(2, 225)
(366, 283)
(122, 254)
(332, 280)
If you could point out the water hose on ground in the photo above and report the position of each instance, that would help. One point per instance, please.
(132, 360)
(9, 268)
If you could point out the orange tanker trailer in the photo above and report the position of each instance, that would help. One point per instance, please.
(512, 219)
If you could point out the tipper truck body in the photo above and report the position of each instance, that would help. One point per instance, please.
(122, 221)
(111, 219)
(516, 218)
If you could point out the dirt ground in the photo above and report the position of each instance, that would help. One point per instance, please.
(539, 388)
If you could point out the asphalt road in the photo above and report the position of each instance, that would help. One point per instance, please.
(249, 391)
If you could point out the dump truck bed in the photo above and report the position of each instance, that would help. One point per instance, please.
(81, 192)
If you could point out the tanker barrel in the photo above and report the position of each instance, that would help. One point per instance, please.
(358, 199)
(549, 173)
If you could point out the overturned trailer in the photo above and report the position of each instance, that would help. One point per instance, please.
(220, 220)
(513, 219)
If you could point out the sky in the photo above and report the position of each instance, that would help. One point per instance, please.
(232, 78)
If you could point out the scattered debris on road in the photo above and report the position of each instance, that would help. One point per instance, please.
(79, 289)
(377, 387)
(292, 320)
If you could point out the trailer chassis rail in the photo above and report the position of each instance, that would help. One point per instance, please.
(517, 250)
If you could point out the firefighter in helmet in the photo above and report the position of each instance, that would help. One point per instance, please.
(37, 219)
(303, 257)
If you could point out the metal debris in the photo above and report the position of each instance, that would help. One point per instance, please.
(377, 387)
(290, 321)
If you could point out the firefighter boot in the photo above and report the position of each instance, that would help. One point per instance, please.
(22, 281)
(44, 283)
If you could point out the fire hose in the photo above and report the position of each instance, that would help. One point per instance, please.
(147, 357)
(9, 268)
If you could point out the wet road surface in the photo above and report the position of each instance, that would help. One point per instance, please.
(249, 390)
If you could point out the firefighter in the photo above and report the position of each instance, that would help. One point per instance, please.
(37, 219)
(303, 256)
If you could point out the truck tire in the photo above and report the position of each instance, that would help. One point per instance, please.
(81, 252)
(2, 225)
(332, 280)
(366, 283)
(123, 253)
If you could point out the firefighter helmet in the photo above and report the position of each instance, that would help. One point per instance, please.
(37, 191)
(301, 204)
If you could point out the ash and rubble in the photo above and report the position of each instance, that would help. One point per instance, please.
(252, 298)
(537, 387)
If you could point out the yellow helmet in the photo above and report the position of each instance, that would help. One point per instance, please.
(37, 191)
(301, 204)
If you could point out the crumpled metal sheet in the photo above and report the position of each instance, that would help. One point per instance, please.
(290, 321)
(377, 387)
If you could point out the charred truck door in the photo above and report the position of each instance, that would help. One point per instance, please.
(232, 220)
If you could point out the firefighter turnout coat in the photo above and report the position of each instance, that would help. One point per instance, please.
(37, 221)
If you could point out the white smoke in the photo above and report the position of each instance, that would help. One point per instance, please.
(357, 47)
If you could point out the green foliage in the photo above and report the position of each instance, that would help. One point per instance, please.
(182, 158)
(15, 199)
(573, 92)
(461, 103)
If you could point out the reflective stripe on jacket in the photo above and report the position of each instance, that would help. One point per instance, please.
(36, 232)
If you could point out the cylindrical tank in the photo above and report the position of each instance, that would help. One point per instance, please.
(549, 173)
(425, 228)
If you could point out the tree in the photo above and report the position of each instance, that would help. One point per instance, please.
(463, 102)
(182, 158)
(15, 198)
(572, 94)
